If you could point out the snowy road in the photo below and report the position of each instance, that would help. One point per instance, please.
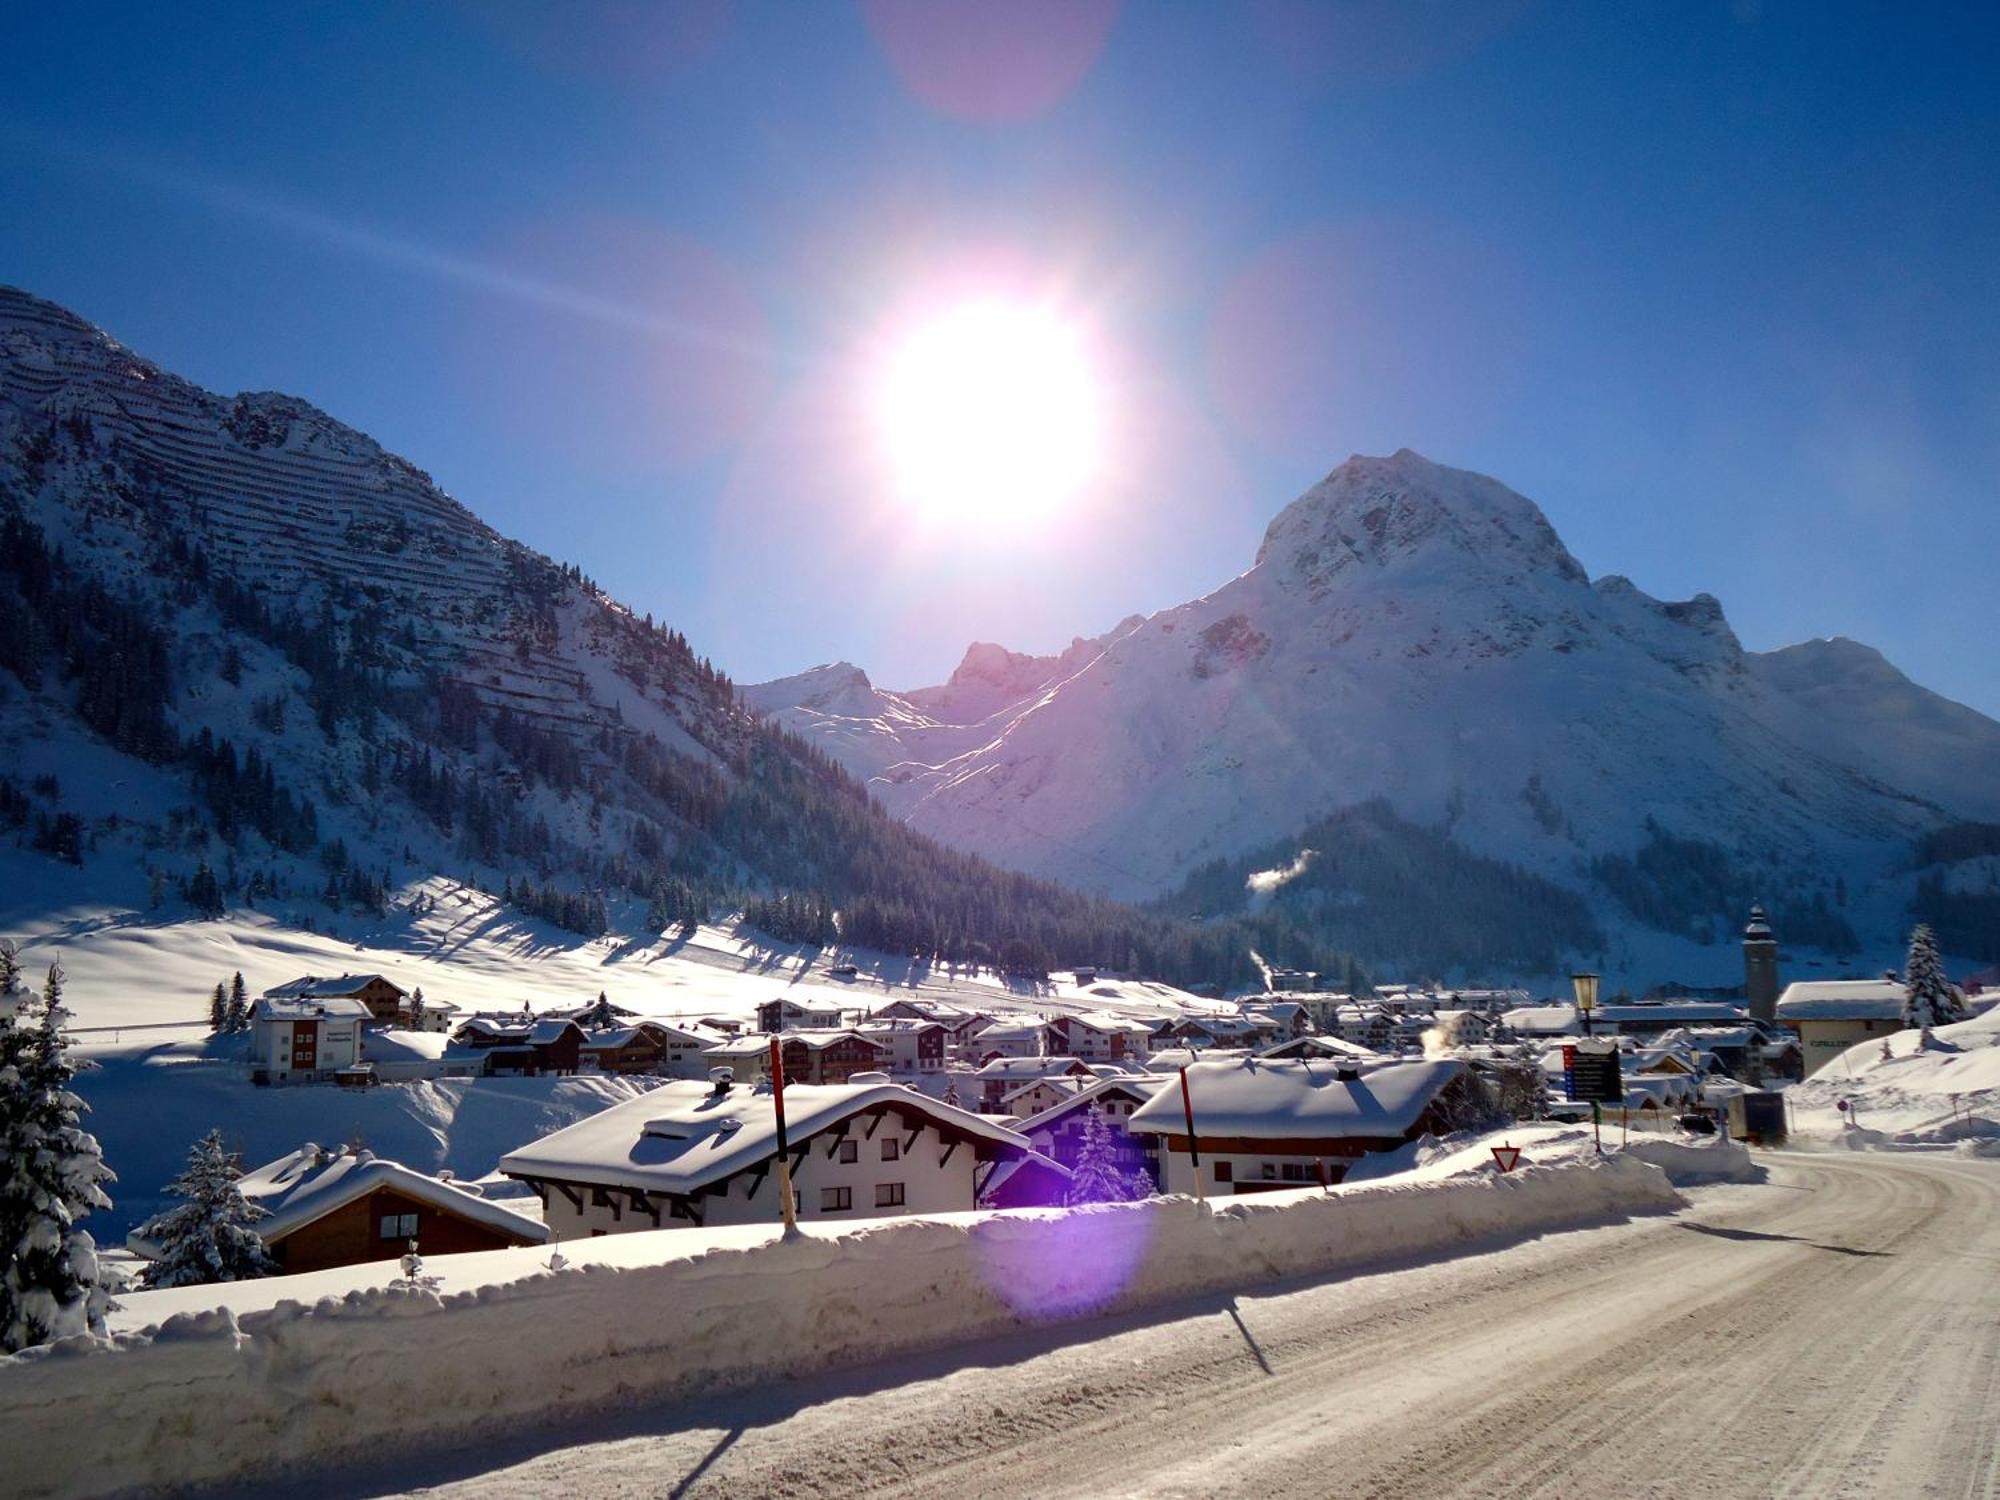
(1833, 1332)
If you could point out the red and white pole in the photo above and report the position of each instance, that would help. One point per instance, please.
(784, 1145)
(1194, 1146)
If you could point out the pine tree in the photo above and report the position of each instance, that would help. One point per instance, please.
(235, 1011)
(218, 1010)
(417, 1008)
(54, 1174)
(1928, 997)
(211, 1235)
(1096, 1178)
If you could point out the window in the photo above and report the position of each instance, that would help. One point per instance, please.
(888, 1195)
(835, 1200)
(1225, 1172)
(850, 1151)
(1270, 1171)
(892, 1149)
(399, 1226)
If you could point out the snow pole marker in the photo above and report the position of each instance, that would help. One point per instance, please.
(1194, 1146)
(784, 1146)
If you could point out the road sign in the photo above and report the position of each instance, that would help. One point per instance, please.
(1841, 1105)
(1590, 1075)
(1507, 1157)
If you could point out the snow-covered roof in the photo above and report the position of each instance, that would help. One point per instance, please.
(1028, 1067)
(1062, 1083)
(1000, 1031)
(405, 1046)
(1257, 1099)
(309, 1183)
(334, 1008)
(683, 1136)
(1547, 1019)
(819, 1041)
(1324, 1046)
(318, 987)
(1667, 1012)
(1133, 1086)
(1841, 1000)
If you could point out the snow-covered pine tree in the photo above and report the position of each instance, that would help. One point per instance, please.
(417, 1008)
(951, 1091)
(1096, 1178)
(239, 1002)
(235, 1016)
(50, 1285)
(218, 1009)
(211, 1235)
(1928, 997)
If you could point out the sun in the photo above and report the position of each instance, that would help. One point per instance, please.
(989, 413)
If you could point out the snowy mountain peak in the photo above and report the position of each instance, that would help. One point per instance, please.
(1406, 511)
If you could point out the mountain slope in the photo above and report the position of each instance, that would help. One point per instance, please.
(1420, 635)
(247, 656)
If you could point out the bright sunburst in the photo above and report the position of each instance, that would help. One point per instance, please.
(990, 414)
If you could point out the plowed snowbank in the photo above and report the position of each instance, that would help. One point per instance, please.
(209, 1395)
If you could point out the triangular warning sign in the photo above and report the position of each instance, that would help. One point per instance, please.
(1506, 1158)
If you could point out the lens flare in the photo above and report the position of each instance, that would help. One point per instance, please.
(990, 414)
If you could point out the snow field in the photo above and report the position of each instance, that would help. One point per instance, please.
(1917, 1096)
(216, 1394)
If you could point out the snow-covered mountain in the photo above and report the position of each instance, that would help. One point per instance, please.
(248, 656)
(1420, 634)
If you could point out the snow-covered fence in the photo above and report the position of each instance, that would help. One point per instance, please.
(206, 1396)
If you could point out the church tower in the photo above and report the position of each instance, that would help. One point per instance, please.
(1760, 966)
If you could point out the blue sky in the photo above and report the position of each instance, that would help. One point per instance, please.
(1717, 284)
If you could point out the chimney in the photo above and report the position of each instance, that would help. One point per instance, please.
(1347, 1070)
(723, 1079)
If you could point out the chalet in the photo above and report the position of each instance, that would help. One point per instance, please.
(1834, 1014)
(1097, 1037)
(638, 1048)
(348, 1207)
(1040, 1094)
(1287, 1018)
(787, 1014)
(1650, 1018)
(1028, 1038)
(299, 1040)
(748, 1057)
(960, 1026)
(1326, 1047)
(1557, 1018)
(916, 1048)
(703, 1154)
(1003, 1075)
(523, 1045)
(1205, 1031)
(1057, 1132)
(436, 1015)
(1262, 1125)
(387, 1002)
(831, 1056)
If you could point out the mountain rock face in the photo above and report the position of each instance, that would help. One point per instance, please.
(1419, 635)
(246, 655)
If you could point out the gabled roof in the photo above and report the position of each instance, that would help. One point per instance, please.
(1137, 1087)
(1297, 1100)
(1842, 1000)
(310, 1183)
(683, 1136)
(819, 1041)
(334, 1008)
(1322, 1046)
(318, 987)
(1030, 1067)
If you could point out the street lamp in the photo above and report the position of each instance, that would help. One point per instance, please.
(1586, 997)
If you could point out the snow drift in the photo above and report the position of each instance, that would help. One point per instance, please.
(211, 1395)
